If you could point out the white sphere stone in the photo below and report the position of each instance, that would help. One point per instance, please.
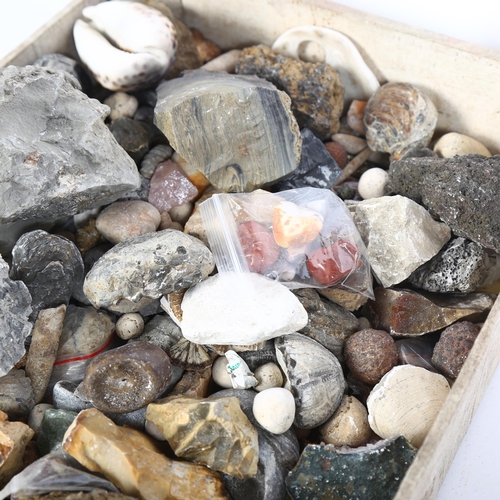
(121, 105)
(454, 144)
(219, 373)
(268, 376)
(129, 326)
(274, 409)
(372, 183)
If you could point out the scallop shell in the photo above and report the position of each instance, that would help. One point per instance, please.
(190, 356)
(406, 402)
(126, 45)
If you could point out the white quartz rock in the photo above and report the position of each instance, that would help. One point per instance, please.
(454, 144)
(274, 409)
(213, 313)
(399, 235)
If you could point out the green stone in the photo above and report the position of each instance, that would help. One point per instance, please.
(54, 425)
(371, 472)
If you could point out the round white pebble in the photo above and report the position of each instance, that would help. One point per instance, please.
(129, 326)
(268, 376)
(274, 409)
(219, 373)
(372, 183)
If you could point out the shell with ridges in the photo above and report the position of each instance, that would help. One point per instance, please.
(190, 356)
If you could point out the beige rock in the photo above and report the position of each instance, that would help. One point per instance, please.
(220, 374)
(268, 375)
(14, 436)
(224, 62)
(348, 426)
(129, 326)
(181, 213)
(132, 461)
(454, 144)
(214, 432)
(351, 301)
(121, 104)
(193, 384)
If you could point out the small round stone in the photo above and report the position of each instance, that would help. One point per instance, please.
(166, 221)
(121, 105)
(274, 409)
(268, 375)
(125, 219)
(129, 326)
(219, 373)
(348, 426)
(176, 226)
(372, 183)
(181, 213)
(370, 354)
(338, 152)
(454, 144)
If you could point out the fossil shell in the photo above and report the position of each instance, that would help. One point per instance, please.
(190, 356)
(406, 402)
(143, 44)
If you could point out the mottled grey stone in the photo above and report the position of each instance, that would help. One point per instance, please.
(65, 398)
(463, 191)
(58, 157)
(160, 331)
(238, 148)
(278, 454)
(136, 272)
(329, 324)
(50, 266)
(54, 425)
(458, 267)
(15, 308)
(371, 472)
(17, 398)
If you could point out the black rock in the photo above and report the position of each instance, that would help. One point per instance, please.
(50, 266)
(132, 135)
(145, 114)
(261, 356)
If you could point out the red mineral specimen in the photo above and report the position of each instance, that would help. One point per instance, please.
(259, 247)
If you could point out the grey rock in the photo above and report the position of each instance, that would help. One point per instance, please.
(314, 377)
(236, 148)
(136, 272)
(399, 235)
(160, 331)
(463, 191)
(135, 419)
(138, 194)
(50, 266)
(317, 168)
(15, 308)
(260, 356)
(278, 454)
(58, 156)
(155, 156)
(35, 416)
(145, 114)
(17, 398)
(65, 398)
(329, 324)
(458, 267)
(132, 135)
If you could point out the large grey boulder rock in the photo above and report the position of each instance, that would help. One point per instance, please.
(57, 157)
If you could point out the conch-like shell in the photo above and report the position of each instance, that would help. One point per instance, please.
(406, 402)
(127, 45)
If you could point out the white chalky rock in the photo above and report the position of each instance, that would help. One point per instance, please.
(454, 144)
(274, 409)
(268, 376)
(220, 374)
(129, 326)
(399, 235)
(121, 105)
(372, 183)
(214, 313)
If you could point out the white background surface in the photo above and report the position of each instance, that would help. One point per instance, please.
(475, 472)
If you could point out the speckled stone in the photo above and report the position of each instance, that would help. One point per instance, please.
(268, 375)
(129, 326)
(54, 425)
(121, 105)
(132, 135)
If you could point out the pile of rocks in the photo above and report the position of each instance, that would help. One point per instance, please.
(124, 349)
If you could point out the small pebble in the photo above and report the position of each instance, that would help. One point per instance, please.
(153, 158)
(338, 152)
(35, 416)
(372, 183)
(225, 62)
(122, 105)
(220, 374)
(274, 409)
(364, 323)
(176, 226)
(181, 213)
(352, 144)
(370, 354)
(268, 375)
(129, 326)
(165, 222)
(355, 116)
(207, 50)
(454, 144)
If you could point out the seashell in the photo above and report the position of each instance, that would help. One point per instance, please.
(398, 117)
(406, 402)
(314, 376)
(190, 356)
(317, 44)
(223, 348)
(127, 45)
(153, 158)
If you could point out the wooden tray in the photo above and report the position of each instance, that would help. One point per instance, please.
(461, 78)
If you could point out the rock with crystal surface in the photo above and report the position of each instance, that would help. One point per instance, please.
(399, 236)
(462, 191)
(132, 461)
(61, 160)
(214, 432)
(15, 308)
(236, 148)
(141, 269)
(408, 313)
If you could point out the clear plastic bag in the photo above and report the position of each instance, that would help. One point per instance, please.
(302, 238)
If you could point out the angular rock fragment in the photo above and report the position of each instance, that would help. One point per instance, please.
(462, 191)
(315, 88)
(134, 464)
(15, 309)
(237, 148)
(349, 300)
(60, 160)
(372, 472)
(17, 398)
(408, 313)
(214, 432)
(141, 269)
(194, 384)
(399, 236)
